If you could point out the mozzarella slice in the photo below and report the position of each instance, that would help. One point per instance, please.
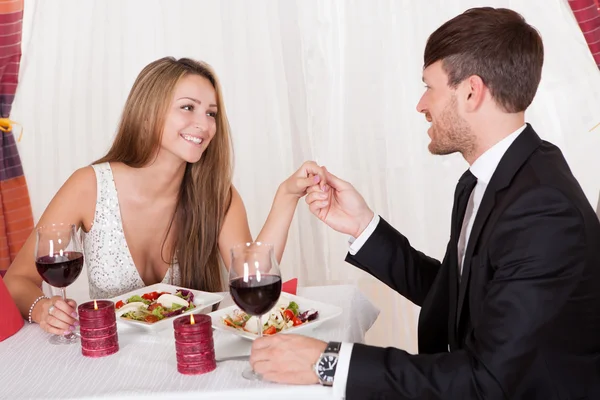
(130, 307)
(167, 300)
(251, 325)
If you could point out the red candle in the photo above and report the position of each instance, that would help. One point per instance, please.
(192, 323)
(100, 343)
(98, 332)
(201, 357)
(98, 328)
(97, 309)
(194, 346)
(99, 353)
(193, 338)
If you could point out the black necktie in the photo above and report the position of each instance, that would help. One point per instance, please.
(465, 186)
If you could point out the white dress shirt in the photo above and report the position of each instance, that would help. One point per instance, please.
(483, 168)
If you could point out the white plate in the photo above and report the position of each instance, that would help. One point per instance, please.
(326, 312)
(201, 300)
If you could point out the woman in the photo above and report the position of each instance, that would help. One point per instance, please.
(160, 206)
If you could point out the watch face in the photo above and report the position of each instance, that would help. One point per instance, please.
(326, 367)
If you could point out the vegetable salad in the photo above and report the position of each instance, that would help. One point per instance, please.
(285, 315)
(155, 306)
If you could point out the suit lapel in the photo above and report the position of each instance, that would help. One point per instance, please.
(514, 158)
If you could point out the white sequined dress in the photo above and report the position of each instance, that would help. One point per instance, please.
(110, 267)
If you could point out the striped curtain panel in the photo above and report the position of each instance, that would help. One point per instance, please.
(16, 220)
(587, 14)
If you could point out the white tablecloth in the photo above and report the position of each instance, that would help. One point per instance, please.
(145, 366)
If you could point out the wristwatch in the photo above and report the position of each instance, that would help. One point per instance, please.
(327, 363)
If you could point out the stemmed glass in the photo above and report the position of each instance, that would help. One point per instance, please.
(254, 283)
(59, 261)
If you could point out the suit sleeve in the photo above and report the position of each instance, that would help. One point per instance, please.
(389, 257)
(538, 249)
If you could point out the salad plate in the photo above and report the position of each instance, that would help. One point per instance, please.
(156, 306)
(291, 314)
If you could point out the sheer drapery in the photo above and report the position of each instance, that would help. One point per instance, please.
(336, 81)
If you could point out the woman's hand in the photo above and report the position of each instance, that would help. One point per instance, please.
(56, 316)
(309, 174)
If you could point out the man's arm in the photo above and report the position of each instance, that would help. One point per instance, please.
(388, 256)
(540, 252)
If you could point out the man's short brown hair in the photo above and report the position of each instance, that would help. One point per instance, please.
(495, 44)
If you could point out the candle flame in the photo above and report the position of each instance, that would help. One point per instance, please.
(192, 321)
(95, 305)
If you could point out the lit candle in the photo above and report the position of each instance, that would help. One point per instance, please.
(194, 346)
(98, 328)
(97, 309)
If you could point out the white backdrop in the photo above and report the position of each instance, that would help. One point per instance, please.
(335, 81)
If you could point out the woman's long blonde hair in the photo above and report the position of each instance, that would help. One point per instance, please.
(205, 192)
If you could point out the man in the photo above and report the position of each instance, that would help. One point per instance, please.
(513, 310)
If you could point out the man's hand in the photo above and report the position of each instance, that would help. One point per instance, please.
(287, 358)
(339, 205)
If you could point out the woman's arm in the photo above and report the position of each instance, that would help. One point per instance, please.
(275, 230)
(235, 227)
(74, 203)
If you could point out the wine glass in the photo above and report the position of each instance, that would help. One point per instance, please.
(254, 283)
(59, 261)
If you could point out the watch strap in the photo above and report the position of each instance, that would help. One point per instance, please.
(333, 347)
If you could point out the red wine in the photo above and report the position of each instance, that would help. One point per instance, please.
(60, 271)
(256, 297)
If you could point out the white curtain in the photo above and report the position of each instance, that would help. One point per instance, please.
(333, 81)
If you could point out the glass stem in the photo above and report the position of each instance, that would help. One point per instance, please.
(260, 327)
(63, 291)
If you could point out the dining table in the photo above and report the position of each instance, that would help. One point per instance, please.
(145, 366)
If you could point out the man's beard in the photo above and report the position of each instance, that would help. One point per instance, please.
(451, 133)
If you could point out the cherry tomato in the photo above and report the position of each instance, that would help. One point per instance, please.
(270, 331)
(297, 321)
(119, 304)
(151, 318)
(288, 314)
(150, 296)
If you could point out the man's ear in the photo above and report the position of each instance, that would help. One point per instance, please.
(474, 92)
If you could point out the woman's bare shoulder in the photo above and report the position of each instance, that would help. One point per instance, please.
(76, 197)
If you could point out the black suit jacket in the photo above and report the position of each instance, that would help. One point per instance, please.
(524, 322)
